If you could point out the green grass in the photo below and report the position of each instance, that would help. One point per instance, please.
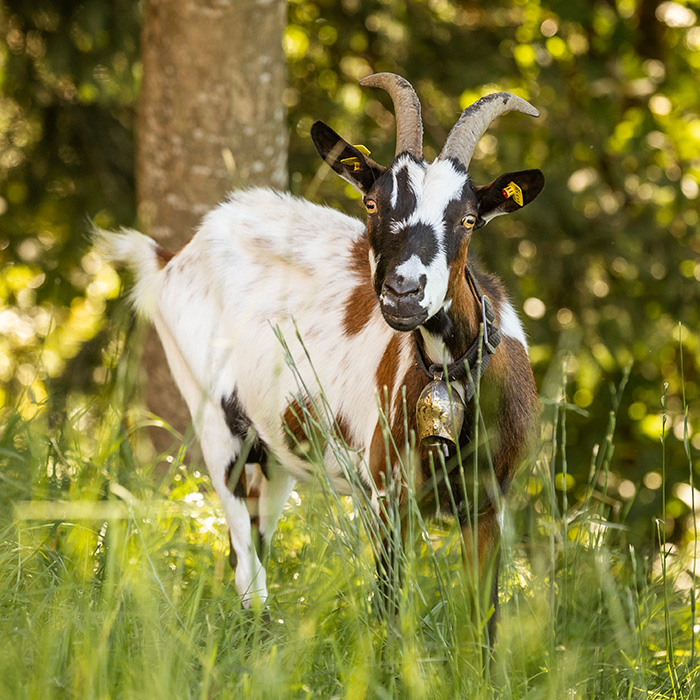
(125, 591)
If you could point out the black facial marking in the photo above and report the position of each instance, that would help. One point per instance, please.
(421, 242)
(394, 241)
(456, 210)
(393, 249)
(440, 324)
(465, 203)
(406, 199)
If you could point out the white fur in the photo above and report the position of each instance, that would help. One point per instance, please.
(442, 184)
(511, 324)
(133, 248)
(435, 349)
(394, 190)
(412, 268)
(437, 283)
(373, 260)
(416, 173)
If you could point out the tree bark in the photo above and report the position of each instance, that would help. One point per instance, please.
(211, 118)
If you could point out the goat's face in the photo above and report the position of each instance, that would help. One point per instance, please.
(420, 216)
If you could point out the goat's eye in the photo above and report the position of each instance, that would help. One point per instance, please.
(371, 206)
(469, 221)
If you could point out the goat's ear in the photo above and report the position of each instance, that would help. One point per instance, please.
(508, 193)
(349, 162)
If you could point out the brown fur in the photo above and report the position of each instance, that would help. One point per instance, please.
(509, 405)
(463, 301)
(414, 381)
(362, 303)
(377, 457)
(343, 428)
(296, 425)
(387, 371)
(517, 412)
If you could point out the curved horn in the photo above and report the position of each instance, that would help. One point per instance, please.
(476, 119)
(409, 127)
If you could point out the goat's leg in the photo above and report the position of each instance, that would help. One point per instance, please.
(274, 494)
(387, 546)
(482, 549)
(220, 449)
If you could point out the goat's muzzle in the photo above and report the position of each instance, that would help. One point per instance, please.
(401, 302)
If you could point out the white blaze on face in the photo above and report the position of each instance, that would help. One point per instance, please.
(442, 184)
(412, 268)
(394, 190)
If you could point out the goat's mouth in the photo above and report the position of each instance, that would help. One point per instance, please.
(405, 323)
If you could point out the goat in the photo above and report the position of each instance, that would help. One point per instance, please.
(369, 311)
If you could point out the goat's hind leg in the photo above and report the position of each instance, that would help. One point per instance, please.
(221, 450)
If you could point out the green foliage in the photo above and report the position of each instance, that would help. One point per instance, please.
(604, 266)
(68, 85)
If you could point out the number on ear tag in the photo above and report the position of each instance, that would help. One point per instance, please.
(512, 190)
(355, 162)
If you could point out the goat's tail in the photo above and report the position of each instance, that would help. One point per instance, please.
(139, 254)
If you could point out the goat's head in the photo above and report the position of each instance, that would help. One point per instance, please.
(420, 216)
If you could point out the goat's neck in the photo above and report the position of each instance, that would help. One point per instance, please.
(452, 330)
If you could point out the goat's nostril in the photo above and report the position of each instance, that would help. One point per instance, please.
(401, 286)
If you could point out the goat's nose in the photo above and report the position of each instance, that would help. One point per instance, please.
(399, 286)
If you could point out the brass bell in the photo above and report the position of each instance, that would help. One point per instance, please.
(439, 415)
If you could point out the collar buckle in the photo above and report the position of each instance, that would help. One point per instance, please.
(491, 338)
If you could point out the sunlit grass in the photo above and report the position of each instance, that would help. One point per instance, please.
(114, 582)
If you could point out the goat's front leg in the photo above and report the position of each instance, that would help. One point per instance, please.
(274, 494)
(388, 540)
(516, 422)
(481, 537)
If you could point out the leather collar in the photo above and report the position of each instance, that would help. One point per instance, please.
(474, 362)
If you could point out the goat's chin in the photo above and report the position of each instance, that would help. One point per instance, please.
(405, 323)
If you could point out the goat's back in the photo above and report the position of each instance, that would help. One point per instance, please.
(263, 268)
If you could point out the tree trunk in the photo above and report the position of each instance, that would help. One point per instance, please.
(211, 118)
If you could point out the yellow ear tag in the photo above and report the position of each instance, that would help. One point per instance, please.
(512, 190)
(355, 162)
